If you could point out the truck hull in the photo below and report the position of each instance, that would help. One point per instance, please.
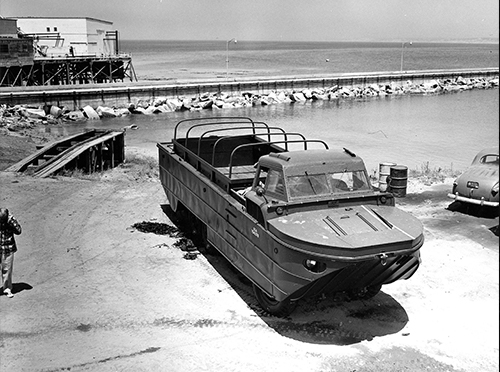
(274, 265)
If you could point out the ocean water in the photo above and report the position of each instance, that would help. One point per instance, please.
(441, 131)
(202, 60)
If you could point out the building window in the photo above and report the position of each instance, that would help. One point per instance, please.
(4, 48)
(48, 29)
(55, 29)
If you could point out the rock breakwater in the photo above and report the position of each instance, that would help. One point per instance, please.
(18, 117)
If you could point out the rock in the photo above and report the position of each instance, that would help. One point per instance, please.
(175, 102)
(91, 113)
(281, 96)
(218, 103)
(264, 101)
(106, 112)
(206, 104)
(55, 111)
(34, 113)
(186, 104)
(345, 92)
(139, 110)
(298, 97)
(333, 95)
(307, 93)
(271, 97)
(75, 115)
(159, 101)
(150, 110)
(205, 96)
(143, 104)
(160, 109)
(122, 112)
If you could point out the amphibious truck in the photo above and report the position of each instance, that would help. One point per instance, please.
(297, 218)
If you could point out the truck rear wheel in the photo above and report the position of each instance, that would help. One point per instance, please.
(278, 308)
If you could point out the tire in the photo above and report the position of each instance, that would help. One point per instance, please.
(201, 231)
(277, 308)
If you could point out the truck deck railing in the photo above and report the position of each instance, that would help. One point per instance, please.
(305, 142)
(224, 167)
(268, 134)
(286, 141)
(210, 121)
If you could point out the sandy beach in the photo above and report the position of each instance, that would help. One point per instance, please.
(94, 293)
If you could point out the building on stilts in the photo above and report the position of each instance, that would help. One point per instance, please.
(38, 51)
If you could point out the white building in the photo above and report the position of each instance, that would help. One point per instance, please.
(78, 36)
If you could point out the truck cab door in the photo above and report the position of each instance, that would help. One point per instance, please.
(254, 205)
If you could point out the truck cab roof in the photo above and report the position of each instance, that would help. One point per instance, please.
(313, 161)
(299, 175)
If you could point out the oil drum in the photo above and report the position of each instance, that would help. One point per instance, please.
(398, 180)
(383, 174)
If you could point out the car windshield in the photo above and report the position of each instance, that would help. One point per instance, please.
(306, 185)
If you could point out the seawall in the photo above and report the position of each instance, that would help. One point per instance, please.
(123, 95)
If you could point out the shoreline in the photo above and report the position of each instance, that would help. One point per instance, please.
(14, 117)
(23, 127)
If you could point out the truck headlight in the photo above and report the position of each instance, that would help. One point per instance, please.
(314, 266)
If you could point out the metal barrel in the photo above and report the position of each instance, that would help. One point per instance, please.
(398, 180)
(383, 174)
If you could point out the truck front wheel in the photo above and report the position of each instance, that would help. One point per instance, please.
(278, 308)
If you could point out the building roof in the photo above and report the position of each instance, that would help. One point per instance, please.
(87, 18)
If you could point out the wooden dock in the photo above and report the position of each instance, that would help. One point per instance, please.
(91, 151)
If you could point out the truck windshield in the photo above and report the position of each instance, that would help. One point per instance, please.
(325, 184)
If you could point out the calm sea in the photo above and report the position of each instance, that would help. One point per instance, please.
(181, 60)
(442, 130)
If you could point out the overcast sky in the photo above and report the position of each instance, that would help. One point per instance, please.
(291, 20)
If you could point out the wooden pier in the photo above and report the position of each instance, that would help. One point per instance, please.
(79, 70)
(91, 151)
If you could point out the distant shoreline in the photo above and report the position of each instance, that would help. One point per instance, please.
(382, 42)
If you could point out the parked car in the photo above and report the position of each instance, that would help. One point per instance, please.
(479, 183)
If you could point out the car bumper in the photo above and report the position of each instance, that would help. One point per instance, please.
(465, 199)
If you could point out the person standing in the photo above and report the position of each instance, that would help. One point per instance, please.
(8, 228)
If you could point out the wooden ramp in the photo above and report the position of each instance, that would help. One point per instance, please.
(91, 151)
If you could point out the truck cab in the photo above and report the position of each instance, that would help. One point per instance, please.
(288, 182)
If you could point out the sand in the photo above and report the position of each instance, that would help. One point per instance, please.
(94, 293)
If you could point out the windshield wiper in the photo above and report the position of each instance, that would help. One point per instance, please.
(310, 182)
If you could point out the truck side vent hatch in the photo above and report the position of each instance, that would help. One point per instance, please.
(388, 224)
(334, 226)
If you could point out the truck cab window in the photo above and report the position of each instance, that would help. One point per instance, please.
(308, 185)
(275, 183)
(348, 181)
